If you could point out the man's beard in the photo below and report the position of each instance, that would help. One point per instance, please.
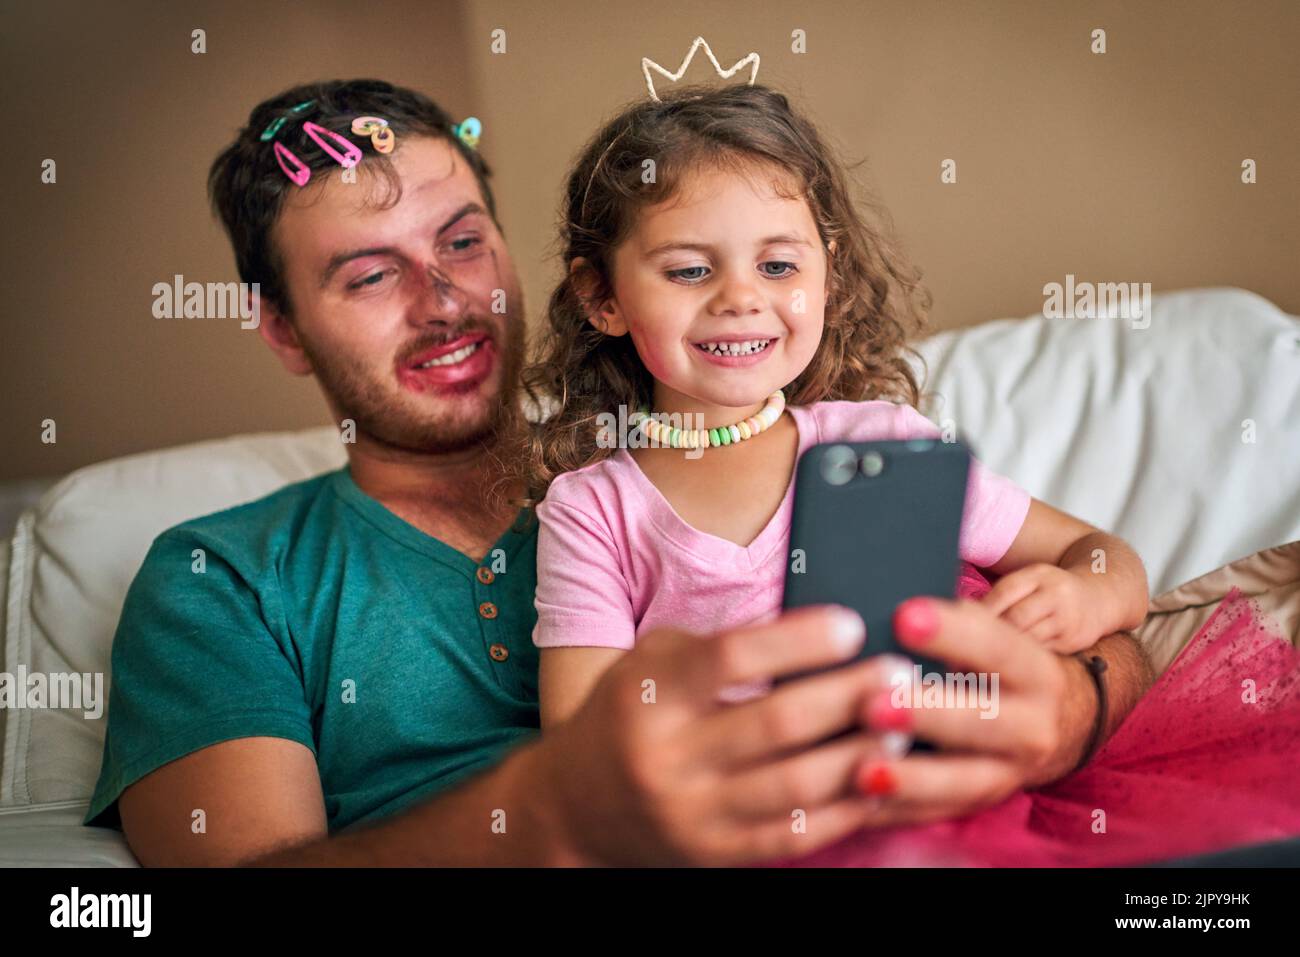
(389, 414)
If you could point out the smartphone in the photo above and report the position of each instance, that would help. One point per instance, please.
(874, 524)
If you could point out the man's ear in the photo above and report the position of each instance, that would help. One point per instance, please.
(278, 332)
(604, 315)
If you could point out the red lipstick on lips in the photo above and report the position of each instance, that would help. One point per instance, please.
(472, 369)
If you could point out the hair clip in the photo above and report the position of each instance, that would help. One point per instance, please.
(298, 171)
(350, 156)
(381, 134)
(366, 125)
(301, 172)
(468, 131)
(274, 128)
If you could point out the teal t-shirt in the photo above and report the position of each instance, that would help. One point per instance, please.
(316, 614)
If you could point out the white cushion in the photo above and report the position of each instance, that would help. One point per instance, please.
(1139, 431)
(53, 836)
(73, 557)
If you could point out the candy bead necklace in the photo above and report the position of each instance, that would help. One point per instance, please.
(667, 436)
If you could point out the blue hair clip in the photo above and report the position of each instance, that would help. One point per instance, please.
(468, 131)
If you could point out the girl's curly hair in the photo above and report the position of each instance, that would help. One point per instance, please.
(875, 298)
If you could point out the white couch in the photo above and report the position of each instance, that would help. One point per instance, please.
(1136, 430)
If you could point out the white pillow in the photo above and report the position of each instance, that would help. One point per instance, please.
(73, 557)
(1140, 431)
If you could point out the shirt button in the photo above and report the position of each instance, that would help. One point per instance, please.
(487, 610)
(485, 575)
(499, 652)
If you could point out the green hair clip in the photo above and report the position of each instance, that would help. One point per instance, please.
(274, 128)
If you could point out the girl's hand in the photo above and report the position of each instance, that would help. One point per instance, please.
(1061, 609)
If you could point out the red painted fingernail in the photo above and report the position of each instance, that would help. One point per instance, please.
(916, 621)
(882, 714)
(877, 780)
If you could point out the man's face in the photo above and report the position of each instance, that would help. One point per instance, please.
(410, 317)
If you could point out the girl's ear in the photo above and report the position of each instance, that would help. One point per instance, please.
(605, 315)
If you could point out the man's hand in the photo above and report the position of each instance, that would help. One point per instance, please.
(653, 770)
(1045, 712)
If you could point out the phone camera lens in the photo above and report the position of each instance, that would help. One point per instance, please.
(873, 463)
(838, 465)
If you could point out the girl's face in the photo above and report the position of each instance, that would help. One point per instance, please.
(723, 290)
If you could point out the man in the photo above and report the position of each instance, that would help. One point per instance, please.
(348, 678)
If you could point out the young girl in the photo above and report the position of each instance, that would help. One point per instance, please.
(718, 269)
(719, 274)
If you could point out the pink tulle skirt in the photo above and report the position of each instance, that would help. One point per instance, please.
(1208, 759)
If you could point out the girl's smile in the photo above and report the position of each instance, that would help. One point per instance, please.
(740, 351)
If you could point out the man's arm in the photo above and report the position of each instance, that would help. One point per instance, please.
(504, 817)
(262, 805)
(206, 698)
(256, 795)
(623, 781)
(1128, 677)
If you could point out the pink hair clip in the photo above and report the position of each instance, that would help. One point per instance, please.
(351, 154)
(300, 173)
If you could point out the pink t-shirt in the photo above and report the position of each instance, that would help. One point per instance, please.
(615, 561)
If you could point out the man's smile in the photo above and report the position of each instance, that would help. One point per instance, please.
(465, 360)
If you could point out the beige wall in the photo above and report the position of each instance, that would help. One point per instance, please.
(1120, 167)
